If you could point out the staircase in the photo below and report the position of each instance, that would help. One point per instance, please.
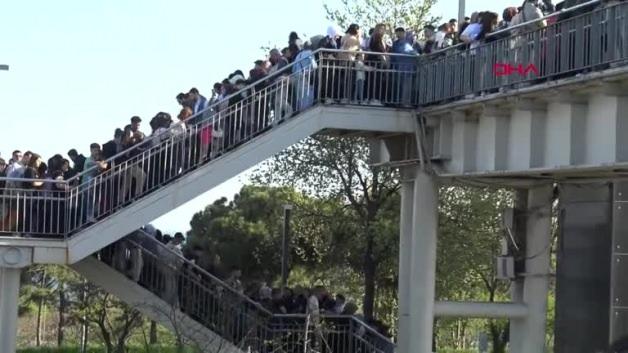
(313, 96)
(209, 314)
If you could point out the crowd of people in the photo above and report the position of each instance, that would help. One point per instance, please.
(192, 137)
(194, 140)
(167, 267)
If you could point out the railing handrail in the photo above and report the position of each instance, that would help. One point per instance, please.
(510, 28)
(196, 267)
(268, 77)
(246, 298)
(35, 180)
(336, 316)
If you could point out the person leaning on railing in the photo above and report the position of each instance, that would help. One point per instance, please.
(3, 174)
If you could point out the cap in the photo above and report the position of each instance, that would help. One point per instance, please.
(136, 119)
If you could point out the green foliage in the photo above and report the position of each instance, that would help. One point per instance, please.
(95, 349)
(368, 13)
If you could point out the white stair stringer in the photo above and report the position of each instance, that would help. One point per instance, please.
(152, 306)
(221, 169)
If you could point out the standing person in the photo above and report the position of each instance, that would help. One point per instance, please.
(280, 100)
(113, 146)
(442, 37)
(197, 122)
(234, 280)
(180, 134)
(34, 216)
(379, 62)
(314, 314)
(94, 165)
(426, 44)
(171, 274)
(3, 174)
(530, 11)
(197, 100)
(405, 67)
(4, 203)
(350, 44)
(16, 156)
(339, 305)
(131, 168)
(304, 69)
(16, 170)
(78, 160)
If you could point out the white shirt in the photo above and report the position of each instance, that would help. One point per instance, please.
(15, 170)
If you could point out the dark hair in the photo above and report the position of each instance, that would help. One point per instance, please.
(400, 29)
(430, 27)
(217, 85)
(43, 168)
(16, 151)
(193, 90)
(181, 96)
(487, 19)
(118, 132)
(340, 296)
(293, 36)
(72, 153)
(371, 31)
(2, 162)
(509, 13)
(453, 20)
(34, 158)
(94, 145)
(178, 235)
(158, 235)
(294, 49)
(353, 29)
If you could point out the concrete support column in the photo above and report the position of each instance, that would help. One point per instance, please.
(9, 300)
(423, 272)
(536, 282)
(516, 286)
(405, 259)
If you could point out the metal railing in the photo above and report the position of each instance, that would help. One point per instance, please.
(380, 79)
(33, 206)
(589, 41)
(229, 313)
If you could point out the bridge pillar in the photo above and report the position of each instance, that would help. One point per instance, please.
(405, 259)
(9, 300)
(423, 263)
(583, 268)
(530, 336)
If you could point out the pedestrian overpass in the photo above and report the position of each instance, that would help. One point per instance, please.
(447, 119)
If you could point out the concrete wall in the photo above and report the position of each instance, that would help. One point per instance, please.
(583, 269)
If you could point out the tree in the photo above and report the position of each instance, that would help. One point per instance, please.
(470, 234)
(243, 233)
(114, 319)
(407, 13)
(338, 168)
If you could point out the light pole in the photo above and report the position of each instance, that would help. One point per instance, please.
(4, 67)
(461, 5)
(285, 241)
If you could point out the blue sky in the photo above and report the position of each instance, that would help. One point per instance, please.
(79, 69)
